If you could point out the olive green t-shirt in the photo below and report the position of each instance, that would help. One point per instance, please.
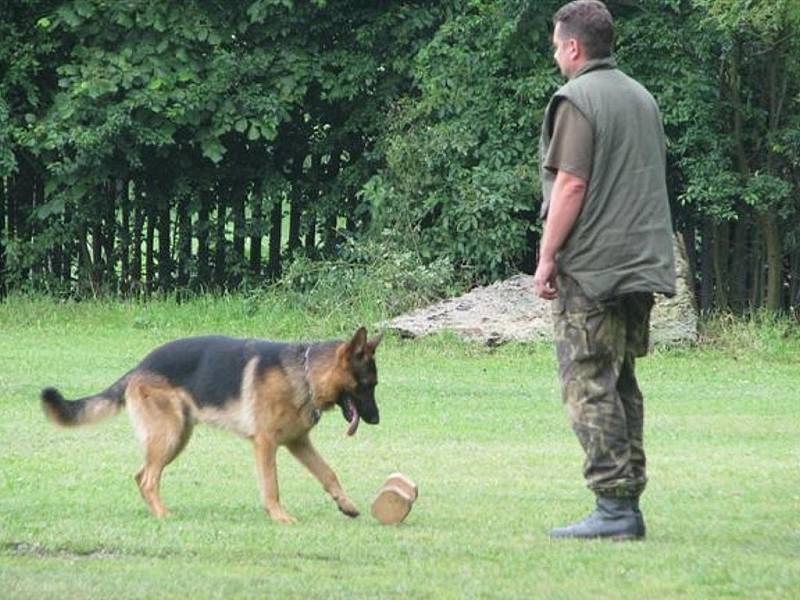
(571, 145)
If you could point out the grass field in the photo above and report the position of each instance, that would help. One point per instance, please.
(481, 431)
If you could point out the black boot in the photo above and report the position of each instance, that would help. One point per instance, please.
(614, 518)
(639, 516)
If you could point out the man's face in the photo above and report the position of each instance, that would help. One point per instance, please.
(565, 52)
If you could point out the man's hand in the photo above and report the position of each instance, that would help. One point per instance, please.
(544, 280)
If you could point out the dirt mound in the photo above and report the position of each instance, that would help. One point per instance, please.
(510, 311)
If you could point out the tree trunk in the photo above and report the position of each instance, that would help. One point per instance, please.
(689, 240)
(757, 283)
(36, 226)
(707, 268)
(149, 252)
(68, 248)
(136, 251)
(185, 244)
(203, 253)
(774, 247)
(97, 247)
(238, 194)
(83, 282)
(329, 233)
(740, 265)
(9, 228)
(164, 245)
(256, 231)
(276, 231)
(123, 188)
(733, 90)
(86, 282)
(295, 214)
(3, 183)
(794, 289)
(22, 192)
(311, 236)
(114, 193)
(773, 236)
(219, 251)
(329, 236)
(55, 254)
(721, 242)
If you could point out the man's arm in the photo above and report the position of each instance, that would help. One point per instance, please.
(566, 201)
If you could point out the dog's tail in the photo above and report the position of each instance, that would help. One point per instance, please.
(91, 409)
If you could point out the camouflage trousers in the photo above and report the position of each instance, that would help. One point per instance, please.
(597, 344)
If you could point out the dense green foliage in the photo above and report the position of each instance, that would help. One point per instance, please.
(187, 127)
(461, 156)
(160, 146)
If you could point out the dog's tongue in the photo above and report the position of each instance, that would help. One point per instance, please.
(351, 430)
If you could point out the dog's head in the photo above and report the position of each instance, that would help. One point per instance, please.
(357, 398)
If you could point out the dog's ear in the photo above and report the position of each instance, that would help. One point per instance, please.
(373, 343)
(357, 345)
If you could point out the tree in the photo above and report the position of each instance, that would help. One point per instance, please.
(151, 146)
(461, 174)
(157, 109)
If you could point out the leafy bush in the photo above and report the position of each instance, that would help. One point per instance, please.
(460, 176)
(369, 276)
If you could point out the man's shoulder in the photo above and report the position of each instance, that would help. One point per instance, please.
(612, 83)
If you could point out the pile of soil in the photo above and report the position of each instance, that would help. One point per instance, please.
(510, 311)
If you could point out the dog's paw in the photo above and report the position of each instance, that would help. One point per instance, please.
(282, 517)
(347, 508)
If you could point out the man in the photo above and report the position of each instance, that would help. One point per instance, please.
(606, 247)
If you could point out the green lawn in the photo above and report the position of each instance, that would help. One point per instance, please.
(482, 432)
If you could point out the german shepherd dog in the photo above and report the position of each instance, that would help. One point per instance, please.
(271, 393)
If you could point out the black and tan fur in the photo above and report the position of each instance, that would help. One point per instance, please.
(271, 393)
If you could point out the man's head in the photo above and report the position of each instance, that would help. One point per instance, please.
(583, 31)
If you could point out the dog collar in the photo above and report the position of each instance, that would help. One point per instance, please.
(316, 414)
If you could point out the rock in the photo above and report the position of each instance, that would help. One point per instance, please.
(510, 311)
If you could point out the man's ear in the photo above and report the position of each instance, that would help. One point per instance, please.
(574, 48)
(373, 343)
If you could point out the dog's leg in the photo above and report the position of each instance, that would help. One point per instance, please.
(163, 429)
(266, 450)
(304, 451)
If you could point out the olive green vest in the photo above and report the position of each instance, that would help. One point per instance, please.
(622, 239)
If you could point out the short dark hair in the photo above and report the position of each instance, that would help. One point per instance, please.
(590, 23)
